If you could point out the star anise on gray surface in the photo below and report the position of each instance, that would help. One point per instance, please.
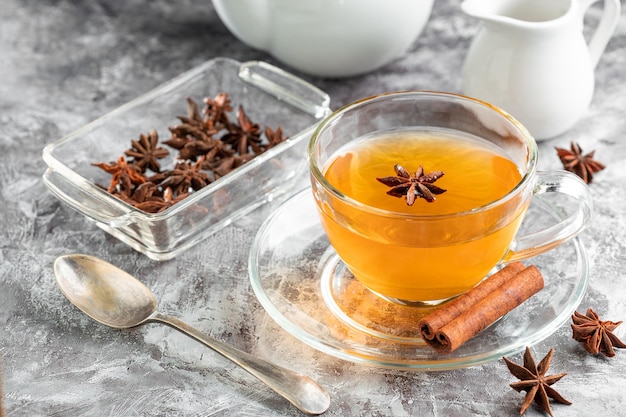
(146, 152)
(413, 186)
(535, 382)
(596, 335)
(582, 165)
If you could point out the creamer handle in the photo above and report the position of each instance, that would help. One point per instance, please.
(605, 29)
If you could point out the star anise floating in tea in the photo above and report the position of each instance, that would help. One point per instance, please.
(596, 335)
(535, 382)
(209, 146)
(582, 165)
(412, 186)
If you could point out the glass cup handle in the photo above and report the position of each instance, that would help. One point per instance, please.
(535, 243)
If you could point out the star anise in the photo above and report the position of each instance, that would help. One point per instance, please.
(184, 177)
(274, 137)
(190, 135)
(413, 186)
(203, 156)
(124, 176)
(535, 382)
(194, 118)
(226, 165)
(187, 131)
(582, 165)
(144, 192)
(146, 152)
(210, 148)
(244, 136)
(155, 204)
(217, 109)
(597, 336)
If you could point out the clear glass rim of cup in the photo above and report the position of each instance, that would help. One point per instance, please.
(528, 176)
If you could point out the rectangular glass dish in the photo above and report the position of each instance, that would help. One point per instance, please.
(271, 97)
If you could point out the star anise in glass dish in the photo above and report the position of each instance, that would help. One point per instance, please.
(156, 204)
(124, 176)
(146, 152)
(413, 185)
(184, 134)
(192, 134)
(184, 178)
(204, 127)
(596, 335)
(582, 165)
(244, 137)
(274, 137)
(224, 166)
(217, 109)
(209, 146)
(535, 382)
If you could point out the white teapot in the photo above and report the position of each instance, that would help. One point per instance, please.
(331, 38)
(531, 59)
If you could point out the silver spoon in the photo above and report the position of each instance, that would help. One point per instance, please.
(115, 298)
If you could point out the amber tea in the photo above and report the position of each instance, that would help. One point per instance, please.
(424, 251)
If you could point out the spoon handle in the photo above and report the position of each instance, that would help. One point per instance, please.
(306, 394)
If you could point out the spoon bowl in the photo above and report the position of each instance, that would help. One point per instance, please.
(104, 292)
(117, 299)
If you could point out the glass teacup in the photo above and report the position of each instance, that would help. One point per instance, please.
(440, 245)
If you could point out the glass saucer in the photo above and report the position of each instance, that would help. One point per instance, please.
(307, 290)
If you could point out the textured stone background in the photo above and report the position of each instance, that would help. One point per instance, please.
(66, 62)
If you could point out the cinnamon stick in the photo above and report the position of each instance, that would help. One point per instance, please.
(456, 307)
(458, 321)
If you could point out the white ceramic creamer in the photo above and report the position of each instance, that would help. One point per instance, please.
(531, 59)
(331, 38)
